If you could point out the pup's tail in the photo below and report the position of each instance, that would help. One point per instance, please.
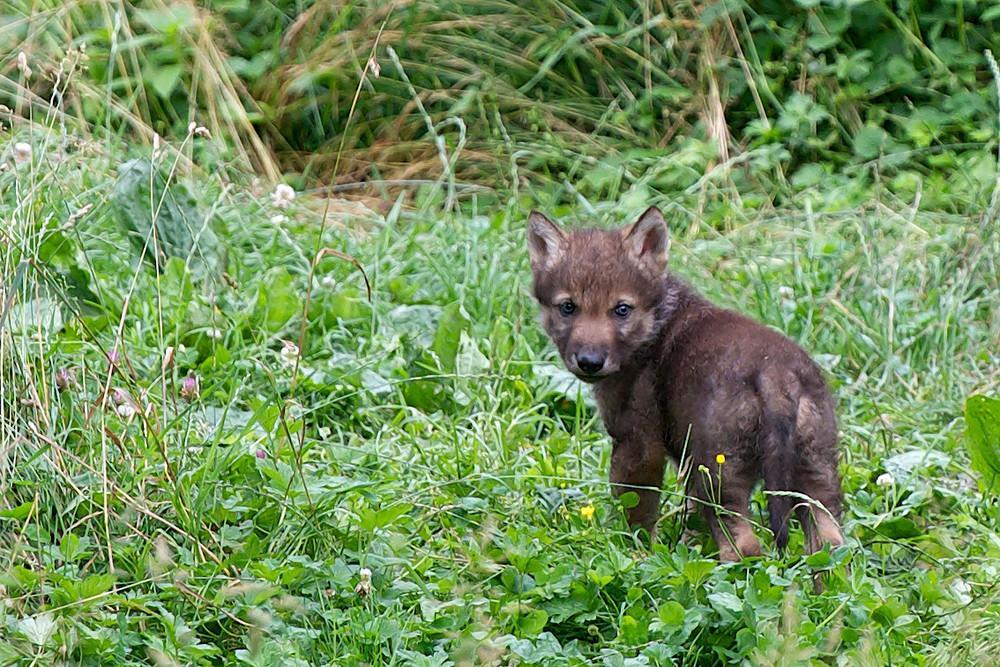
(780, 458)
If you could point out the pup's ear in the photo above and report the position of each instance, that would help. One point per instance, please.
(647, 240)
(545, 241)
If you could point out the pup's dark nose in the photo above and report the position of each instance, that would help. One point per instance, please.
(590, 362)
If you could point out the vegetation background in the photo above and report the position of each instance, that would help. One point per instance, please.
(271, 387)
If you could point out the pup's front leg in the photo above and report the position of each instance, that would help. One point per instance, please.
(637, 466)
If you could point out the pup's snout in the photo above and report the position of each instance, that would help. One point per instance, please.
(590, 362)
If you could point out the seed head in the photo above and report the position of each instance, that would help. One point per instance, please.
(22, 64)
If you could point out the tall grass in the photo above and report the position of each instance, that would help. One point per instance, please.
(196, 464)
(592, 93)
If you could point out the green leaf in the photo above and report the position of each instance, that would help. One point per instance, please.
(869, 142)
(163, 79)
(142, 199)
(533, 622)
(389, 514)
(672, 614)
(70, 547)
(697, 571)
(982, 431)
(38, 629)
(35, 316)
(724, 602)
(278, 300)
(900, 528)
(629, 499)
(449, 336)
(19, 512)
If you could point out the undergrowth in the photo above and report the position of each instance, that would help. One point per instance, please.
(216, 447)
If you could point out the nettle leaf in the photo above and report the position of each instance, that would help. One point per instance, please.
(982, 431)
(142, 201)
(35, 316)
(869, 142)
(38, 629)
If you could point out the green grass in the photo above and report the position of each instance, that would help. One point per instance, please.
(429, 435)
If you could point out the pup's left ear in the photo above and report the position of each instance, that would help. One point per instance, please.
(647, 239)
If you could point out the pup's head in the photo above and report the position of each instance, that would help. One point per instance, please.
(600, 291)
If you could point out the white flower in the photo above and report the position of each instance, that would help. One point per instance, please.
(328, 281)
(283, 195)
(786, 292)
(364, 586)
(885, 479)
(214, 333)
(278, 219)
(22, 152)
(962, 589)
(289, 352)
(126, 410)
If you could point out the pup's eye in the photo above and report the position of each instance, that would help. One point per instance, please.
(567, 308)
(622, 310)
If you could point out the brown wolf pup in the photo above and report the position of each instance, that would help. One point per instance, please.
(675, 375)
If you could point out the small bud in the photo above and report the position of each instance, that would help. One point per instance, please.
(22, 64)
(120, 397)
(261, 454)
(374, 67)
(168, 358)
(189, 388)
(65, 379)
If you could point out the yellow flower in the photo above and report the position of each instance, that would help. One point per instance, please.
(587, 511)
(720, 458)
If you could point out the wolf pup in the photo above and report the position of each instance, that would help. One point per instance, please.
(677, 376)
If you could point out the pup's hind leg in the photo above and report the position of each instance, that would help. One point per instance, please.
(816, 475)
(726, 508)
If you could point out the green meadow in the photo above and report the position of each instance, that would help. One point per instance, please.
(273, 389)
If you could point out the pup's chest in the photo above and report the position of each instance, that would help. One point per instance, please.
(630, 408)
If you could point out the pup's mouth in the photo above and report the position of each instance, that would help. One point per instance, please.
(591, 378)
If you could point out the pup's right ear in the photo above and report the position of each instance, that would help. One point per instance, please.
(545, 241)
